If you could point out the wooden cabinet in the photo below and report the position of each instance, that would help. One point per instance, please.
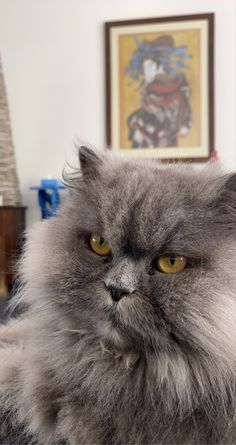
(12, 226)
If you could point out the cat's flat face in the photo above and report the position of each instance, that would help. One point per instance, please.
(146, 212)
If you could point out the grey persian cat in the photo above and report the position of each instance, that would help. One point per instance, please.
(129, 336)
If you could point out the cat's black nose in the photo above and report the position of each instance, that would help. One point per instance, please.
(117, 293)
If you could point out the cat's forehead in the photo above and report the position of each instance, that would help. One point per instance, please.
(145, 203)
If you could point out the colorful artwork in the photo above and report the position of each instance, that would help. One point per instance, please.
(165, 110)
(159, 100)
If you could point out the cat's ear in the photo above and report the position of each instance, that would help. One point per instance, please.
(90, 162)
(230, 183)
(225, 200)
(227, 191)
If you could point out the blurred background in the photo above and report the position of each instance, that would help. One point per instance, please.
(53, 61)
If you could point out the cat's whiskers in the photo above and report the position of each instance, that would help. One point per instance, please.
(104, 349)
(77, 331)
(129, 358)
(201, 261)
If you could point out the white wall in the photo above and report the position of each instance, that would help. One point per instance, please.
(53, 56)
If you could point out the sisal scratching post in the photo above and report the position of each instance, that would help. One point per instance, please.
(9, 184)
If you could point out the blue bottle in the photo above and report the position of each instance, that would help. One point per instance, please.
(48, 197)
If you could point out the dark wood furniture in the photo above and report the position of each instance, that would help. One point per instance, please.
(12, 226)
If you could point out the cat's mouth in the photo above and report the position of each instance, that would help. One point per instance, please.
(117, 331)
(130, 322)
(115, 317)
(133, 325)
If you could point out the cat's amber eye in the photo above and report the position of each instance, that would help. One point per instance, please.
(99, 245)
(171, 263)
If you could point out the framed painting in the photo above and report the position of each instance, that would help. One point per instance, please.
(160, 87)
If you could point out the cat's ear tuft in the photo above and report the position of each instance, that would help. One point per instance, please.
(90, 162)
(227, 190)
(230, 184)
(225, 200)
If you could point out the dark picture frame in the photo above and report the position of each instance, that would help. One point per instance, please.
(160, 87)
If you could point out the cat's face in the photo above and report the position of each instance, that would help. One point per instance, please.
(146, 212)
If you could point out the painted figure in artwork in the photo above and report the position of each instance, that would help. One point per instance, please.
(165, 112)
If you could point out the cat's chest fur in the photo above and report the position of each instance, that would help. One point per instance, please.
(109, 398)
(99, 396)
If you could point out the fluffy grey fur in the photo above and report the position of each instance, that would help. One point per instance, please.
(156, 367)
